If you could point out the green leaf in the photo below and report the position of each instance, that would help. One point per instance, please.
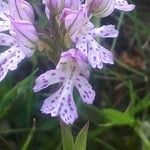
(142, 105)
(81, 139)
(133, 97)
(67, 137)
(9, 97)
(117, 117)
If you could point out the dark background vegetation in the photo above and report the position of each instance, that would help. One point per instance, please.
(120, 116)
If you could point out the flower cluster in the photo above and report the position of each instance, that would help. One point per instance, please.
(17, 18)
(71, 32)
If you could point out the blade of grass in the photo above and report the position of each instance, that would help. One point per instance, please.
(106, 145)
(29, 138)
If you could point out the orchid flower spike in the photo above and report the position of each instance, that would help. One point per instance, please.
(71, 72)
(83, 32)
(103, 8)
(72, 20)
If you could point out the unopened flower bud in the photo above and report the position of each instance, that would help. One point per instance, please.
(54, 6)
(21, 9)
(57, 6)
(72, 4)
(100, 8)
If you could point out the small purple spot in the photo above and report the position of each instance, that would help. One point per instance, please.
(71, 108)
(53, 101)
(94, 58)
(62, 78)
(106, 34)
(79, 85)
(53, 74)
(90, 92)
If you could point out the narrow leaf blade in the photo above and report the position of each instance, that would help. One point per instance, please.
(67, 137)
(117, 117)
(81, 139)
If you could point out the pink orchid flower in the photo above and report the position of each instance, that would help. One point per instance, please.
(83, 34)
(71, 72)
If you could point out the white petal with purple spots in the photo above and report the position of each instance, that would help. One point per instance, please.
(48, 78)
(7, 40)
(104, 31)
(9, 60)
(124, 6)
(85, 89)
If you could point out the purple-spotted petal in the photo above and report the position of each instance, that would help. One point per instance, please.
(123, 5)
(4, 25)
(81, 44)
(68, 111)
(85, 89)
(7, 40)
(3, 70)
(97, 55)
(95, 59)
(104, 31)
(9, 60)
(106, 56)
(61, 103)
(48, 78)
(52, 104)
